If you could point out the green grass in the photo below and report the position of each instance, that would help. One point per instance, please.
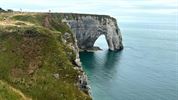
(30, 55)
(9, 93)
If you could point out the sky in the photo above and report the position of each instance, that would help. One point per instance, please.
(115, 8)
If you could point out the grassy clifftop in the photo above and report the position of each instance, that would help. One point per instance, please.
(36, 58)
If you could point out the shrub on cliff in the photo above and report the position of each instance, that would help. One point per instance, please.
(2, 10)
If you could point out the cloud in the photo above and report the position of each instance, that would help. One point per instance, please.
(112, 7)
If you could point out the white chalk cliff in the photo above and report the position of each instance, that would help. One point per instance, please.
(87, 29)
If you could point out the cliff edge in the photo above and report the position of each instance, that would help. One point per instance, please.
(39, 58)
(39, 53)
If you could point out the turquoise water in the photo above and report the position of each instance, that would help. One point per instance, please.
(146, 69)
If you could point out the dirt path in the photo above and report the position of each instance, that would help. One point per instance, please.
(16, 91)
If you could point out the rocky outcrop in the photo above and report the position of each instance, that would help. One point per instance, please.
(87, 29)
(82, 82)
(82, 78)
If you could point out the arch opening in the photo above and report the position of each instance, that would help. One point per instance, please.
(101, 42)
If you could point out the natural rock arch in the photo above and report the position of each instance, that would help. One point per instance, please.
(88, 28)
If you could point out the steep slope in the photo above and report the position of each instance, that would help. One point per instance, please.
(87, 29)
(37, 57)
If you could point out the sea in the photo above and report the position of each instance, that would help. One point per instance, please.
(147, 67)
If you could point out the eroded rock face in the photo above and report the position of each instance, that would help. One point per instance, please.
(87, 29)
(82, 78)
